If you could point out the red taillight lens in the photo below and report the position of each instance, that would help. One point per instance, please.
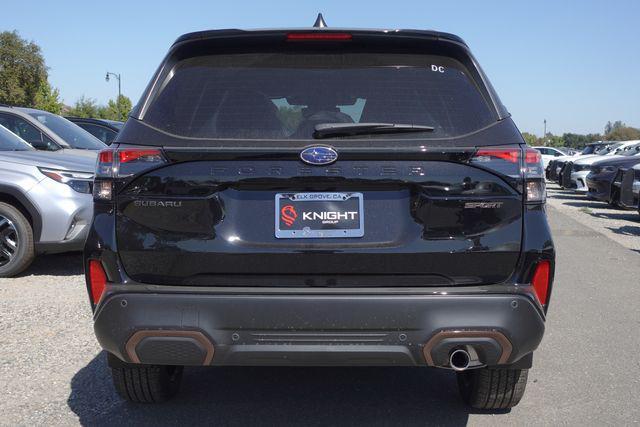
(126, 156)
(540, 281)
(105, 156)
(511, 155)
(97, 280)
(505, 161)
(532, 156)
(122, 163)
(318, 36)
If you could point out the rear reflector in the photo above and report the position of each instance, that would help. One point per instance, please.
(318, 36)
(97, 280)
(540, 281)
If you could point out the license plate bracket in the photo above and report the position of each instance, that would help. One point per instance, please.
(319, 215)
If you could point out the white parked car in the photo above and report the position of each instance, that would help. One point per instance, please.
(554, 169)
(549, 153)
(580, 168)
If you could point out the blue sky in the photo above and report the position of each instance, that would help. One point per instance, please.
(575, 63)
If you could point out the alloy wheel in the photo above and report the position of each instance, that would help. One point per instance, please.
(8, 240)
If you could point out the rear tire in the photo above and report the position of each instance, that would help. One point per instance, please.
(489, 388)
(147, 383)
(16, 241)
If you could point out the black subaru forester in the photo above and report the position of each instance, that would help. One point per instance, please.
(320, 197)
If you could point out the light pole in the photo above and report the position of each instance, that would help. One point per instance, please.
(117, 76)
(544, 136)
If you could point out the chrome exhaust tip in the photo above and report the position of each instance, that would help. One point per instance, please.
(459, 359)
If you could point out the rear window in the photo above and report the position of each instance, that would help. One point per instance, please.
(284, 96)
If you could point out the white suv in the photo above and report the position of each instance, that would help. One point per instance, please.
(548, 153)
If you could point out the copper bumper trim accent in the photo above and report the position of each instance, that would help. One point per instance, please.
(505, 344)
(138, 336)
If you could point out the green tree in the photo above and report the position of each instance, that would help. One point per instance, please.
(623, 133)
(610, 127)
(85, 107)
(23, 75)
(554, 140)
(119, 111)
(531, 139)
(48, 99)
(575, 140)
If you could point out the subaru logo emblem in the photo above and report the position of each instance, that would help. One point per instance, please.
(318, 155)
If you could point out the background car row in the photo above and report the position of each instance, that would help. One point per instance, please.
(607, 171)
(46, 177)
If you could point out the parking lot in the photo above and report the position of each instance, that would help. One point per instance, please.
(587, 370)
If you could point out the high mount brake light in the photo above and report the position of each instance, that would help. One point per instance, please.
(122, 163)
(319, 37)
(540, 281)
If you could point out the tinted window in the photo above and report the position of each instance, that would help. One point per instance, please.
(102, 133)
(73, 135)
(277, 96)
(631, 150)
(11, 142)
(115, 124)
(27, 132)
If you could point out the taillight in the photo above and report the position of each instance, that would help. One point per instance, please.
(535, 187)
(97, 280)
(502, 160)
(122, 163)
(139, 155)
(540, 281)
(511, 155)
(517, 164)
(319, 36)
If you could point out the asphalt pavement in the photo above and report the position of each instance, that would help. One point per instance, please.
(586, 372)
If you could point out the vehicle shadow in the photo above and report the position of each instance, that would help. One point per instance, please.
(65, 264)
(623, 215)
(596, 204)
(626, 230)
(565, 196)
(278, 396)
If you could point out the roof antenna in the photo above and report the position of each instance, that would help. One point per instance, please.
(319, 22)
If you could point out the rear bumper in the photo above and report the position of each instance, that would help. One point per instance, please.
(201, 328)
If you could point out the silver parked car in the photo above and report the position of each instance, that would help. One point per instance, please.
(45, 201)
(47, 131)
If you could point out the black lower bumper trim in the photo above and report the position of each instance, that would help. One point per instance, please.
(312, 330)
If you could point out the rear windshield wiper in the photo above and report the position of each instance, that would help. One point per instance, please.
(330, 130)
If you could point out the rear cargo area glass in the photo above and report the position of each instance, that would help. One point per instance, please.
(283, 96)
